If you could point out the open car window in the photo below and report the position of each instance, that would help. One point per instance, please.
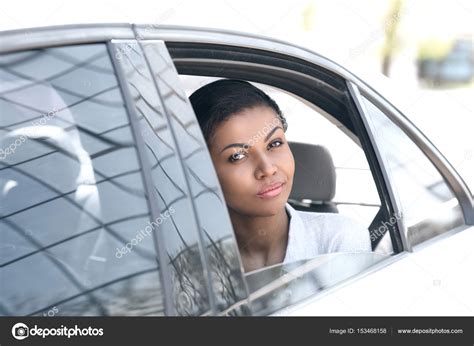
(347, 187)
(355, 196)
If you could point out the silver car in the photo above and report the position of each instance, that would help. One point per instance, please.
(110, 204)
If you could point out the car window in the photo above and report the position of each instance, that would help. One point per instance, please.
(355, 193)
(438, 113)
(356, 197)
(76, 229)
(200, 244)
(428, 205)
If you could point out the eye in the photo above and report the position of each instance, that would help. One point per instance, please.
(237, 156)
(275, 144)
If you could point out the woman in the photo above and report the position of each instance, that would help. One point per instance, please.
(245, 132)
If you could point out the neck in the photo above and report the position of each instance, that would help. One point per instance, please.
(262, 240)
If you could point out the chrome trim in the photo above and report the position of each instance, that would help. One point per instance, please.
(33, 38)
(387, 176)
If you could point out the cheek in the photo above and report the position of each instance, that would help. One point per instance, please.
(286, 162)
(235, 180)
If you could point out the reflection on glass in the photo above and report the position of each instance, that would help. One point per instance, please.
(190, 290)
(71, 191)
(216, 233)
(429, 207)
(280, 286)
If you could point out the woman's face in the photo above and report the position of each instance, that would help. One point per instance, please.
(253, 161)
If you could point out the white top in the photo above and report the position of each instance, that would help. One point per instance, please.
(313, 234)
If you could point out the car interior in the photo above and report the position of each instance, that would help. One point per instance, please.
(313, 189)
(314, 184)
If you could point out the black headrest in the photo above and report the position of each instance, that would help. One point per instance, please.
(315, 174)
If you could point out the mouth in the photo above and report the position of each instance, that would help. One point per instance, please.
(271, 191)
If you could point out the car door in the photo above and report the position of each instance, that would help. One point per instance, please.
(99, 203)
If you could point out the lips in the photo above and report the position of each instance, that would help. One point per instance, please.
(271, 190)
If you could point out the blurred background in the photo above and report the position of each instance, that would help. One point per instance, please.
(419, 54)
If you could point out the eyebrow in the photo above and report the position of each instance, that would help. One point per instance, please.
(241, 145)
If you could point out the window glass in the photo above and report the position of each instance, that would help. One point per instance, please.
(278, 287)
(428, 205)
(73, 210)
(199, 241)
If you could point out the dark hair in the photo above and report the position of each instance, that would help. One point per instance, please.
(215, 102)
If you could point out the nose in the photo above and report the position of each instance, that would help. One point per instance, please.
(265, 167)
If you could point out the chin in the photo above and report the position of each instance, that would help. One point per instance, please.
(262, 208)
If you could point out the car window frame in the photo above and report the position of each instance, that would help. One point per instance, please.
(450, 176)
(253, 59)
(453, 179)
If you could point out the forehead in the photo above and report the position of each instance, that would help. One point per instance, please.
(250, 124)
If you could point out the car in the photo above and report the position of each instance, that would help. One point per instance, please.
(456, 67)
(110, 204)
